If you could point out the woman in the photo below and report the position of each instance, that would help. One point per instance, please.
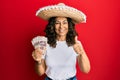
(63, 48)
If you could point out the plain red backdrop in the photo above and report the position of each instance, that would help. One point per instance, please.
(100, 37)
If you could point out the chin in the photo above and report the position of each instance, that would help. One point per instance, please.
(62, 34)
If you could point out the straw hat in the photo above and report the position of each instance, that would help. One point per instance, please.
(61, 10)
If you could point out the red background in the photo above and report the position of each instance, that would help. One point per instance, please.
(100, 37)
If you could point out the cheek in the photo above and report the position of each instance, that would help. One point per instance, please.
(56, 28)
(67, 28)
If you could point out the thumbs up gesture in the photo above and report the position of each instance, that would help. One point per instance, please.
(78, 46)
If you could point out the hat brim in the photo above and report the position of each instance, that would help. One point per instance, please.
(61, 10)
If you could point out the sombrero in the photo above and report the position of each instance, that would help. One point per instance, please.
(61, 10)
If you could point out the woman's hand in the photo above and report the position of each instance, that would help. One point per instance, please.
(83, 60)
(40, 66)
(78, 46)
(37, 54)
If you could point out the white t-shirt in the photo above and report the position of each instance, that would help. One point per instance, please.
(60, 61)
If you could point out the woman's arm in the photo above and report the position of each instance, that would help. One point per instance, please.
(40, 67)
(83, 60)
(40, 63)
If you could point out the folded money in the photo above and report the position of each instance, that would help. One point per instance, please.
(39, 42)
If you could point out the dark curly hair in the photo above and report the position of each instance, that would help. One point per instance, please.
(51, 34)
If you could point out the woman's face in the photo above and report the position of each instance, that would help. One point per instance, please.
(61, 26)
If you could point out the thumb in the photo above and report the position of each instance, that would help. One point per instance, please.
(76, 38)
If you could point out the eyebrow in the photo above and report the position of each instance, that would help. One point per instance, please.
(63, 21)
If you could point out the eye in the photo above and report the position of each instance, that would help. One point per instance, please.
(65, 22)
(57, 22)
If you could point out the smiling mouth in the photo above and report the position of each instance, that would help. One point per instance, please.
(61, 31)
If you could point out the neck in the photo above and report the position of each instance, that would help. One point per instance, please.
(61, 38)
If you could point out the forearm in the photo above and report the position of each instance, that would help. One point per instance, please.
(40, 67)
(84, 62)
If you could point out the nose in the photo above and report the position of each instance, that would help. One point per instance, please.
(61, 25)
